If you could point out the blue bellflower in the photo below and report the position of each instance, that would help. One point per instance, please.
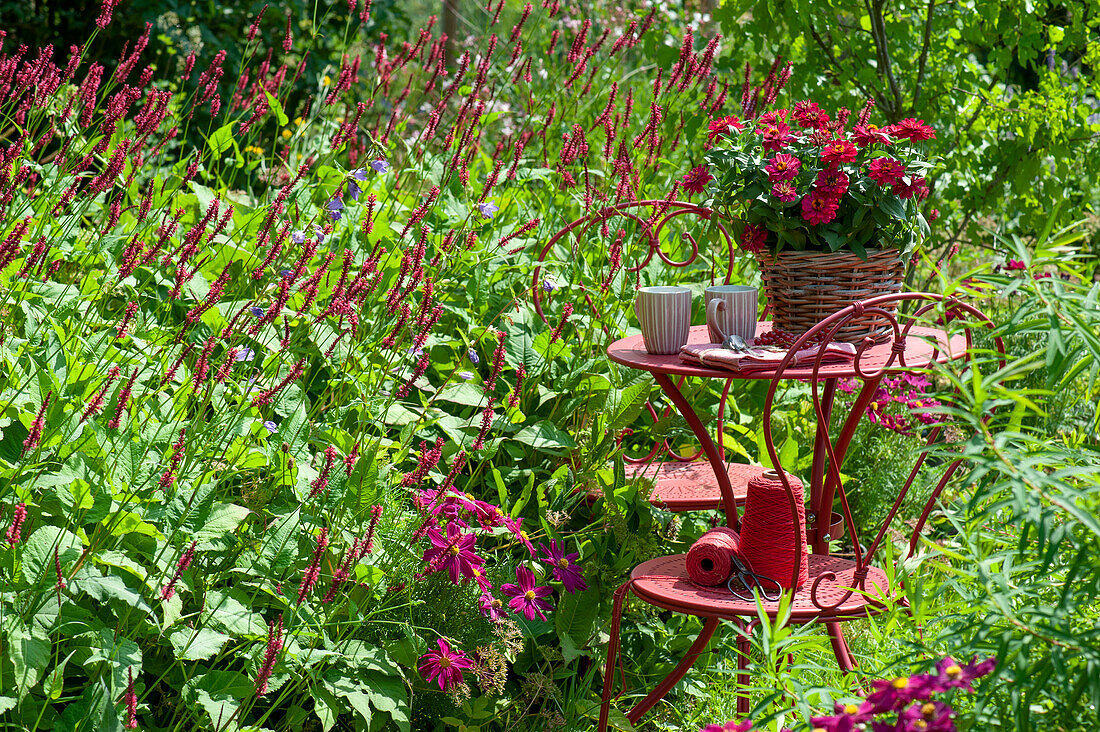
(487, 209)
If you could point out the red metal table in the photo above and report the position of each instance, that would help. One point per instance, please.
(913, 347)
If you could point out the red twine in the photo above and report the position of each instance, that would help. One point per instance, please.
(767, 534)
(709, 561)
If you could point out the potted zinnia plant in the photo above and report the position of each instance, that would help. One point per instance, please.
(830, 206)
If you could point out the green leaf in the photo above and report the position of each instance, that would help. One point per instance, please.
(38, 553)
(107, 587)
(224, 518)
(545, 436)
(221, 139)
(29, 652)
(219, 693)
(576, 615)
(55, 680)
(276, 107)
(197, 645)
(226, 611)
(120, 654)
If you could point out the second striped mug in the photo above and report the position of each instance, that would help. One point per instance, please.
(731, 310)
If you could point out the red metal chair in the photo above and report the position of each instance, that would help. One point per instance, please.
(840, 588)
(683, 481)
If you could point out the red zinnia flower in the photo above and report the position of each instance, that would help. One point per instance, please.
(696, 180)
(912, 129)
(526, 596)
(832, 181)
(782, 167)
(818, 208)
(917, 186)
(718, 127)
(753, 238)
(775, 137)
(865, 135)
(785, 191)
(885, 171)
(809, 115)
(444, 666)
(839, 151)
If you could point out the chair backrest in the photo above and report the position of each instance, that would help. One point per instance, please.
(633, 236)
(937, 333)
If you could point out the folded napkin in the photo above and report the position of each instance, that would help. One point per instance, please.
(758, 358)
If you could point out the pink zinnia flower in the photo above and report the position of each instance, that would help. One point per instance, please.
(818, 208)
(865, 135)
(696, 180)
(775, 137)
(912, 129)
(1015, 264)
(885, 171)
(785, 191)
(526, 596)
(444, 665)
(832, 181)
(564, 566)
(915, 187)
(718, 127)
(839, 151)
(782, 167)
(809, 115)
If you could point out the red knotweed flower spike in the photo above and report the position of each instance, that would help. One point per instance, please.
(513, 400)
(131, 309)
(123, 399)
(131, 701)
(368, 542)
(36, 427)
(313, 571)
(271, 654)
(566, 311)
(498, 363)
(14, 533)
(321, 482)
(96, 402)
(57, 569)
(184, 562)
(486, 423)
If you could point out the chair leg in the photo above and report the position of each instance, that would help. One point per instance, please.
(844, 657)
(744, 648)
(693, 653)
(612, 652)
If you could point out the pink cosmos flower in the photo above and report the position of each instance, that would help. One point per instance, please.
(516, 527)
(564, 567)
(526, 596)
(444, 665)
(782, 167)
(819, 208)
(453, 552)
(491, 606)
(730, 726)
(785, 191)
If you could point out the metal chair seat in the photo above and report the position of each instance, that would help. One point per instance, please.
(692, 486)
(663, 582)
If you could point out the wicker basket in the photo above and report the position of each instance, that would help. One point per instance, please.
(804, 288)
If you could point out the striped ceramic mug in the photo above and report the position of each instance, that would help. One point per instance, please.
(731, 310)
(664, 315)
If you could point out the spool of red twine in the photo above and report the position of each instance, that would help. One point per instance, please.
(709, 561)
(769, 532)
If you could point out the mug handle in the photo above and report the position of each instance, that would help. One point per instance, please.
(714, 305)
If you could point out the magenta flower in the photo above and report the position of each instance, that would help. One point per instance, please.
(928, 716)
(950, 674)
(564, 566)
(453, 552)
(730, 726)
(516, 527)
(444, 666)
(526, 596)
(491, 606)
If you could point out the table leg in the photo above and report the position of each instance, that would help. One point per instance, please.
(820, 524)
(709, 448)
(658, 693)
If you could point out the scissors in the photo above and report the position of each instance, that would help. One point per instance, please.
(743, 574)
(736, 343)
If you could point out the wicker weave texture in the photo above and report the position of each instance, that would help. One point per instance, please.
(804, 288)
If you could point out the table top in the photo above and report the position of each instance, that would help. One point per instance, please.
(919, 348)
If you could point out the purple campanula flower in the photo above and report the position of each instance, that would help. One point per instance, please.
(271, 426)
(245, 354)
(298, 237)
(465, 375)
(487, 209)
(359, 174)
(548, 286)
(380, 166)
(416, 352)
(257, 311)
(472, 355)
(335, 207)
(320, 233)
(285, 273)
(353, 190)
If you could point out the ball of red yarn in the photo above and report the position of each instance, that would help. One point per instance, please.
(709, 561)
(769, 532)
